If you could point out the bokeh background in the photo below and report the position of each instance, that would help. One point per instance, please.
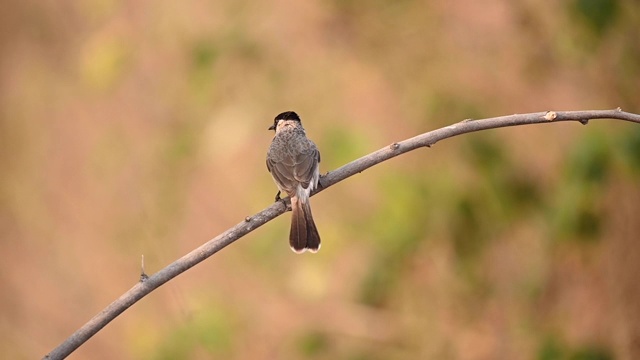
(132, 128)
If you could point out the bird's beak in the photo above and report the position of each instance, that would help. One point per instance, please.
(272, 127)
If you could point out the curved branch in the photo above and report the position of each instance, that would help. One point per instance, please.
(149, 283)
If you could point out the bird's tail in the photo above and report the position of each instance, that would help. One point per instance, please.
(304, 234)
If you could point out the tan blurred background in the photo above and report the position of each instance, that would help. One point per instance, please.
(140, 127)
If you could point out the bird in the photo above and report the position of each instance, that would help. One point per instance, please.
(294, 163)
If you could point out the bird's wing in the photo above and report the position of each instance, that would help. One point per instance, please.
(282, 174)
(305, 166)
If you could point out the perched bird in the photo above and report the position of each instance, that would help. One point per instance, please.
(294, 163)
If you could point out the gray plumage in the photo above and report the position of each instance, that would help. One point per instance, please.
(293, 161)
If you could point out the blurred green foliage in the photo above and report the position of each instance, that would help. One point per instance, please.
(576, 213)
(204, 55)
(553, 349)
(346, 145)
(501, 193)
(508, 184)
(589, 161)
(396, 230)
(312, 344)
(210, 333)
(441, 107)
(598, 15)
(630, 150)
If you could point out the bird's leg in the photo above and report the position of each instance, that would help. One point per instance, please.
(283, 201)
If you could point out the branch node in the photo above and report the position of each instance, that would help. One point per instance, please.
(550, 115)
(467, 120)
(143, 276)
(618, 109)
(584, 121)
(247, 219)
(394, 146)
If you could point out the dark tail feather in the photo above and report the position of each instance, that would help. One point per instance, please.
(304, 234)
(313, 237)
(298, 233)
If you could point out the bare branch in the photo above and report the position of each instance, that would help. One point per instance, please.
(149, 283)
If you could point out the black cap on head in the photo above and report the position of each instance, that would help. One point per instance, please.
(287, 115)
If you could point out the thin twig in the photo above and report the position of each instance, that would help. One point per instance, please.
(150, 283)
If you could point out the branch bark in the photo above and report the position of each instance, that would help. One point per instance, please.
(149, 283)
